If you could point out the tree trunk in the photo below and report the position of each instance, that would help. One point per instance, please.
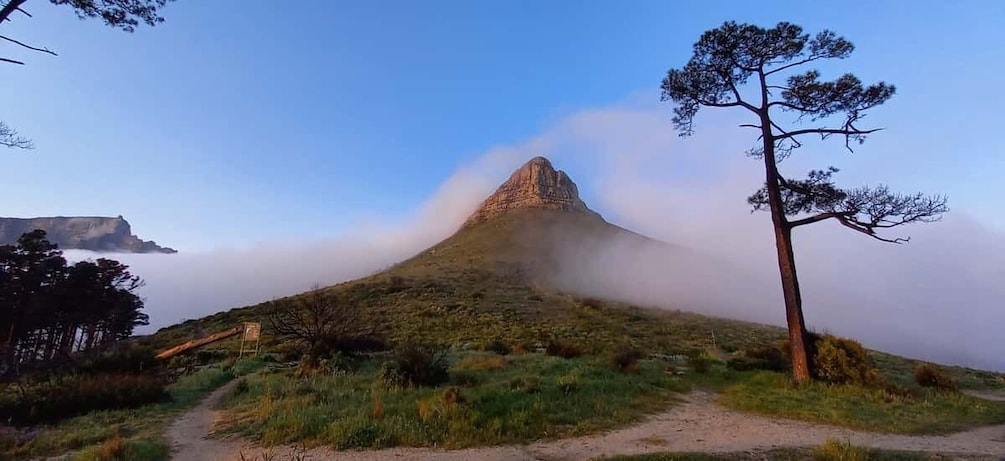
(786, 260)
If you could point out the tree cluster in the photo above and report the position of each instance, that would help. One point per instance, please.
(50, 309)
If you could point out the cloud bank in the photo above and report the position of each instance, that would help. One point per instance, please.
(937, 298)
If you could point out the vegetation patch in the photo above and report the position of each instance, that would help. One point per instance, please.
(133, 434)
(533, 396)
(868, 408)
(832, 450)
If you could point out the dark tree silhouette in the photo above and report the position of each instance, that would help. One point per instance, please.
(319, 322)
(49, 311)
(724, 60)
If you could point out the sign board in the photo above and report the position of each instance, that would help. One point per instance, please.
(252, 330)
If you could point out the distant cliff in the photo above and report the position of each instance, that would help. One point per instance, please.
(84, 233)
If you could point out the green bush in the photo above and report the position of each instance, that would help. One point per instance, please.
(626, 360)
(416, 365)
(844, 361)
(123, 357)
(564, 349)
(499, 347)
(67, 396)
(761, 358)
(928, 375)
(699, 361)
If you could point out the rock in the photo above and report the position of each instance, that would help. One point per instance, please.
(101, 234)
(536, 184)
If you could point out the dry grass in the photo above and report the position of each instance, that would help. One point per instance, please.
(482, 363)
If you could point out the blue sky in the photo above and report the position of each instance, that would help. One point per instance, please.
(234, 122)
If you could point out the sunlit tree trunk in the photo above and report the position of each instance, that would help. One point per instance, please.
(786, 258)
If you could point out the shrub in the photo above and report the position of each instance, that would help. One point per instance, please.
(844, 361)
(123, 357)
(416, 365)
(564, 349)
(568, 384)
(699, 361)
(626, 360)
(761, 358)
(49, 401)
(928, 375)
(836, 450)
(498, 347)
(894, 391)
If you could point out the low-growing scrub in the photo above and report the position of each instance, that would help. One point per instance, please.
(416, 365)
(927, 375)
(861, 407)
(844, 361)
(627, 360)
(533, 396)
(93, 435)
(760, 358)
(564, 349)
(67, 396)
(699, 361)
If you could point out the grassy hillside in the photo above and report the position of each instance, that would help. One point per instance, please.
(486, 282)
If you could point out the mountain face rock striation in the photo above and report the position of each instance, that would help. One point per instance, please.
(536, 184)
(101, 234)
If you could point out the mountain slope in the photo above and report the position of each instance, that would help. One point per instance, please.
(497, 278)
(516, 271)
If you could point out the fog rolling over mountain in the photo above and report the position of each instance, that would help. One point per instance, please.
(938, 297)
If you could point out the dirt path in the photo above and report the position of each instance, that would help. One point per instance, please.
(698, 425)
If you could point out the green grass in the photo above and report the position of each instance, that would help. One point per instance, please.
(830, 451)
(532, 397)
(861, 408)
(140, 429)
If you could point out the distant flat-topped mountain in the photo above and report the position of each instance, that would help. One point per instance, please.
(95, 233)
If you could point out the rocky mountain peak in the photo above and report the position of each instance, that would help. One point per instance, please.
(536, 184)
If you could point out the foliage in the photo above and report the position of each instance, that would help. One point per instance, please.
(416, 365)
(322, 325)
(760, 358)
(699, 361)
(564, 349)
(927, 375)
(9, 137)
(858, 407)
(627, 359)
(515, 404)
(121, 357)
(73, 395)
(844, 361)
(141, 427)
(50, 310)
(499, 347)
(836, 450)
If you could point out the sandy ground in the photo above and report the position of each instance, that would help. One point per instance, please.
(697, 425)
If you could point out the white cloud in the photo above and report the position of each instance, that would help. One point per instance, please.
(937, 297)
